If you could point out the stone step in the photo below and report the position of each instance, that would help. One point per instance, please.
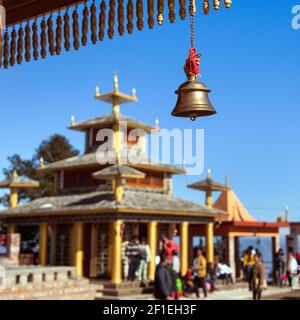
(61, 291)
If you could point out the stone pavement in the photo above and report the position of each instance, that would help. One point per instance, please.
(232, 294)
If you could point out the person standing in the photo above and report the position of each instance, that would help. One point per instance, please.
(292, 266)
(133, 253)
(145, 258)
(279, 267)
(258, 277)
(249, 263)
(200, 273)
(175, 265)
(163, 283)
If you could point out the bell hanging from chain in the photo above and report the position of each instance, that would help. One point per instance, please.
(193, 100)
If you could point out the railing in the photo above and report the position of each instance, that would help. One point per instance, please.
(37, 275)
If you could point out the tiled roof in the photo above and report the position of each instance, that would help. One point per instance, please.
(18, 182)
(109, 119)
(90, 159)
(133, 199)
(207, 183)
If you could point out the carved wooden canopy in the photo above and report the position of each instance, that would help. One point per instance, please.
(37, 28)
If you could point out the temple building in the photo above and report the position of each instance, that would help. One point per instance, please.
(237, 224)
(97, 205)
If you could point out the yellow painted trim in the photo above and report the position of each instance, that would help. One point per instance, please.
(152, 241)
(13, 198)
(184, 247)
(116, 268)
(210, 242)
(79, 254)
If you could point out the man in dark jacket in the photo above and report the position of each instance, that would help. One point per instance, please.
(163, 281)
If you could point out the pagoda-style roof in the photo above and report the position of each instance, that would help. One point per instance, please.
(90, 160)
(118, 170)
(16, 181)
(207, 184)
(103, 201)
(107, 121)
(229, 202)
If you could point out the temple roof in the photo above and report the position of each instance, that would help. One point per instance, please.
(118, 170)
(90, 159)
(229, 202)
(107, 120)
(207, 184)
(18, 182)
(99, 200)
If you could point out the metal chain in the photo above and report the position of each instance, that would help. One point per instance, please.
(192, 10)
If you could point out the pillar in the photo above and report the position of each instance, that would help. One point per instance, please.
(14, 198)
(119, 189)
(116, 267)
(11, 228)
(43, 241)
(210, 242)
(53, 245)
(209, 230)
(78, 247)
(152, 241)
(184, 247)
(94, 247)
(231, 254)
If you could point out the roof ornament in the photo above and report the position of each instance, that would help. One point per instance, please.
(287, 214)
(97, 91)
(72, 120)
(209, 173)
(42, 163)
(156, 124)
(116, 81)
(134, 92)
(227, 182)
(15, 173)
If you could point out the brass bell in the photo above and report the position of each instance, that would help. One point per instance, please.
(193, 100)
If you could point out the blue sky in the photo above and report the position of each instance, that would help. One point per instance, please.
(250, 59)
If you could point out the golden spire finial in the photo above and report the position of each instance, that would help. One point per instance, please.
(15, 173)
(116, 81)
(42, 164)
(209, 173)
(72, 120)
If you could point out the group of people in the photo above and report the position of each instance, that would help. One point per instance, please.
(285, 270)
(201, 275)
(136, 255)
